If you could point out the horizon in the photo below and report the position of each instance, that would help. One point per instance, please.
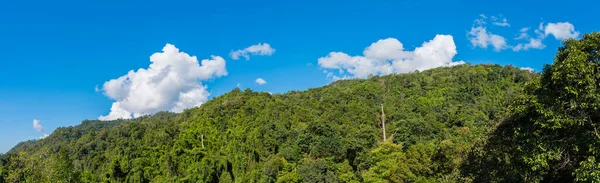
(71, 61)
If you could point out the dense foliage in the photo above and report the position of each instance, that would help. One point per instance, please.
(465, 123)
(551, 134)
(328, 134)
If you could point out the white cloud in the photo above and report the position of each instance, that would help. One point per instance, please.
(191, 98)
(481, 20)
(388, 56)
(257, 49)
(527, 69)
(561, 30)
(502, 23)
(170, 83)
(479, 37)
(535, 43)
(260, 81)
(558, 30)
(37, 125)
(116, 112)
(523, 33)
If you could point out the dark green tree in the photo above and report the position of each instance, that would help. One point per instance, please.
(551, 134)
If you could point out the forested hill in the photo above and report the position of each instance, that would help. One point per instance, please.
(327, 134)
(482, 123)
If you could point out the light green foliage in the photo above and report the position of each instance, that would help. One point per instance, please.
(346, 173)
(387, 165)
(326, 134)
(589, 171)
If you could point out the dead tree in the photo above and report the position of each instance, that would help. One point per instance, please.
(202, 138)
(383, 123)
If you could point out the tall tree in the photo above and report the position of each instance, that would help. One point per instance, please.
(552, 133)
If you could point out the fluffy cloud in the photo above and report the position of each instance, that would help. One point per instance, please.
(260, 81)
(389, 56)
(116, 112)
(561, 30)
(480, 37)
(170, 83)
(37, 125)
(257, 49)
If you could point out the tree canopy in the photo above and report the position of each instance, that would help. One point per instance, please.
(551, 134)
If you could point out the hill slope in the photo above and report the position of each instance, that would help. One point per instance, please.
(327, 134)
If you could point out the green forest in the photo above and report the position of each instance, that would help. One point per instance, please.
(466, 123)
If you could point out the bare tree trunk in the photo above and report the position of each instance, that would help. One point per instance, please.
(383, 123)
(202, 138)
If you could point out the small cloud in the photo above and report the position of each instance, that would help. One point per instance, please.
(535, 43)
(480, 37)
(44, 136)
(527, 69)
(238, 85)
(502, 23)
(37, 125)
(309, 64)
(260, 81)
(561, 30)
(96, 89)
(481, 21)
(496, 20)
(523, 33)
(257, 49)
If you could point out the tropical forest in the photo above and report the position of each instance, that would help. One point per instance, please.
(462, 123)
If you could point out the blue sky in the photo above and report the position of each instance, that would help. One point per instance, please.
(55, 54)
